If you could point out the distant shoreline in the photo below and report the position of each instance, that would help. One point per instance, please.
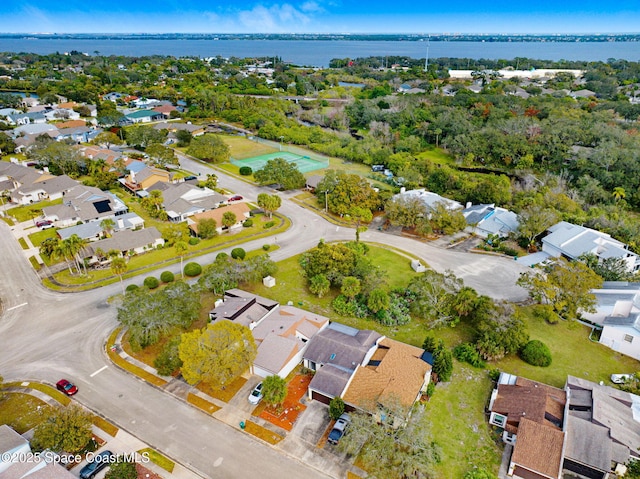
(415, 37)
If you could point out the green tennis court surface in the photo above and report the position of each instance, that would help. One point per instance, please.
(303, 163)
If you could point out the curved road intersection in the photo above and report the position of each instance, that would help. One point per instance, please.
(46, 335)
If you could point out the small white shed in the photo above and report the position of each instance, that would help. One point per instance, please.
(269, 281)
(417, 266)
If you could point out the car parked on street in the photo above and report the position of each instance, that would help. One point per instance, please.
(236, 198)
(66, 387)
(97, 464)
(339, 429)
(256, 395)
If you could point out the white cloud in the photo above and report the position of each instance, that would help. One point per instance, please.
(273, 19)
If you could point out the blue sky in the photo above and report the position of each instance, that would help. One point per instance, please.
(320, 16)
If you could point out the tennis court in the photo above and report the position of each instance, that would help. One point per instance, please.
(304, 163)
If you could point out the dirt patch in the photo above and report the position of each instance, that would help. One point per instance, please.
(286, 415)
(144, 473)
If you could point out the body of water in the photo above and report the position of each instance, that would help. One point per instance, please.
(320, 52)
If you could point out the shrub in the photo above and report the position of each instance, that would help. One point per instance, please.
(245, 170)
(269, 224)
(192, 269)
(132, 287)
(194, 241)
(167, 277)
(168, 360)
(151, 282)
(467, 353)
(336, 407)
(343, 306)
(238, 253)
(536, 353)
(248, 223)
(266, 247)
(494, 374)
(546, 313)
(431, 388)
(222, 255)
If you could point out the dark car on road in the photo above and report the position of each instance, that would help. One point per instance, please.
(97, 464)
(236, 198)
(66, 387)
(339, 428)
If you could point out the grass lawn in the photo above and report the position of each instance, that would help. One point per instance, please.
(38, 237)
(23, 411)
(437, 156)
(28, 212)
(241, 147)
(572, 353)
(458, 424)
(225, 394)
(157, 458)
(23, 243)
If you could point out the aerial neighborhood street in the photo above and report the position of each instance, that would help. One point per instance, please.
(47, 335)
(215, 268)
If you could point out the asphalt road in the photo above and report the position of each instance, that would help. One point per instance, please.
(45, 335)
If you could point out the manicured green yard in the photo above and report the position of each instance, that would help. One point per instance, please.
(241, 147)
(23, 411)
(458, 424)
(572, 354)
(28, 212)
(38, 237)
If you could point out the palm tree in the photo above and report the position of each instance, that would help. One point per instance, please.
(119, 267)
(181, 248)
(75, 245)
(107, 225)
(619, 193)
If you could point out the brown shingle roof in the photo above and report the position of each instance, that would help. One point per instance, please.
(241, 210)
(395, 373)
(539, 448)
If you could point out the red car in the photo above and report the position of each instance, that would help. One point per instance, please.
(236, 198)
(66, 387)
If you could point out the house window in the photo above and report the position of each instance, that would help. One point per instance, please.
(628, 338)
(499, 420)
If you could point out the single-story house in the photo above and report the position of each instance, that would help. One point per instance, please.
(241, 210)
(311, 183)
(183, 200)
(174, 126)
(281, 333)
(61, 114)
(85, 203)
(618, 313)
(35, 129)
(93, 230)
(144, 116)
(429, 199)
(125, 242)
(13, 445)
(44, 187)
(484, 220)
(367, 370)
(572, 241)
(21, 119)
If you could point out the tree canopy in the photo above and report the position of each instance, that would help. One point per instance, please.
(210, 148)
(281, 172)
(217, 354)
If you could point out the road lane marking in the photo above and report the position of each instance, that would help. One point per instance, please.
(218, 462)
(16, 307)
(99, 370)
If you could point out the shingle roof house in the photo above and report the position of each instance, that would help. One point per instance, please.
(282, 333)
(241, 210)
(586, 428)
(85, 203)
(126, 242)
(571, 241)
(485, 219)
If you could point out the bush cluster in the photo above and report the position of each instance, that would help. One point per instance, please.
(151, 282)
(245, 170)
(536, 353)
(238, 253)
(192, 269)
(194, 241)
(167, 277)
(132, 287)
(269, 224)
(467, 353)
